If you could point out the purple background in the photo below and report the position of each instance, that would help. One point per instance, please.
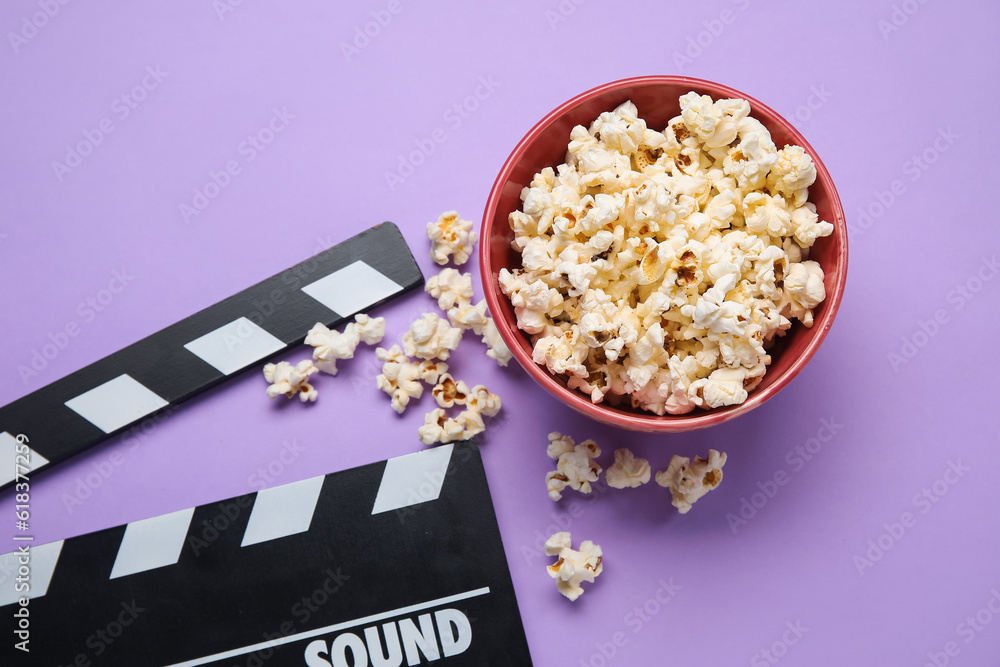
(878, 98)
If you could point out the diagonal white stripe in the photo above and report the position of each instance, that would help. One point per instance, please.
(283, 511)
(234, 346)
(116, 403)
(152, 543)
(42, 563)
(411, 479)
(337, 627)
(352, 289)
(9, 447)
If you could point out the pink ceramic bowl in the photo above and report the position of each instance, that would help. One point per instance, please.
(656, 98)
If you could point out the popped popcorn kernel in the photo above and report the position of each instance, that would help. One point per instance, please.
(439, 427)
(451, 236)
(371, 330)
(400, 377)
(448, 392)
(576, 465)
(287, 380)
(429, 371)
(688, 481)
(480, 400)
(627, 471)
(496, 348)
(450, 288)
(330, 345)
(793, 171)
(431, 337)
(467, 316)
(573, 567)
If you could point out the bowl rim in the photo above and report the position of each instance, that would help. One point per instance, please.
(698, 418)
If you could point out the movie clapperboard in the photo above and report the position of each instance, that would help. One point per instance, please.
(111, 395)
(392, 563)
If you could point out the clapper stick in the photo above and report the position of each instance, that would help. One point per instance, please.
(399, 561)
(84, 408)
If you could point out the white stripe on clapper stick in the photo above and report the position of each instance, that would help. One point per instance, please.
(282, 511)
(413, 478)
(352, 288)
(336, 627)
(152, 543)
(234, 346)
(43, 565)
(116, 403)
(9, 446)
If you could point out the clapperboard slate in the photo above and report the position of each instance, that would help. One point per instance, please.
(393, 563)
(203, 350)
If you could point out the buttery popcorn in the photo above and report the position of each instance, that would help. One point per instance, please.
(657, 268)
(431, 337)
(439, 427)
(496, 348)
(572, 567)
(287, 380)
(576, 465)
(371, 330)
(465, 316)
(400, 377)
(689, 481)
(453, 291)
(429, 371)
(627, 471)
(448, 392)
(451, 236)
(481, 401)
(330, 345)
(450, 288)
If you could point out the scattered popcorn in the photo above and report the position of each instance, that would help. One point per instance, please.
(472, 423)
(330, 345)
(557, 543)
(287, 380)
(439, 427)
(498, 349)
(573, 567)
(453, 290)
(431, 337)
(689, 481)
(400, 378)
(559, 444)
(450, 288)
(371, 330)
(429, 371)
(448, 393)
(467, 316)
(451, 235)
(576, 465)
(658, 268)
(627, 471)
(480, 400)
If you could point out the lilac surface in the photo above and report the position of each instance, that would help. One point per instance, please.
(879, 98)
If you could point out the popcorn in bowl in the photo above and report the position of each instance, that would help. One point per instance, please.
(658, 268)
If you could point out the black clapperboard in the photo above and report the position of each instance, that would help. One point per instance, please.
(393, 563)
(201, 351)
